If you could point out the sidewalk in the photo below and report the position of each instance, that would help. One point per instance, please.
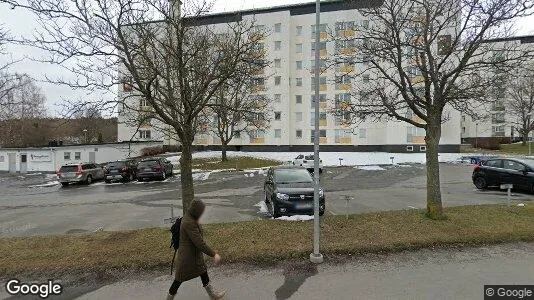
(425, 274)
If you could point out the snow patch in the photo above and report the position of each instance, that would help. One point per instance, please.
(47, 184)
(201, 176)
(296, 218)
(262, 207)
(521, 205)
(371, 168)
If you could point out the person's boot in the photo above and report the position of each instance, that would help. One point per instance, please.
(170, 297)
(213, 294)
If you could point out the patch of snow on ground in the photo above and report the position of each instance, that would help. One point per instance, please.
(349, 158)
(295, 218)
(201, 176)
(262, 207)
(371, 168)
(47, 184)
(175, 160)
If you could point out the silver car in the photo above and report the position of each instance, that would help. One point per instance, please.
(80, 173)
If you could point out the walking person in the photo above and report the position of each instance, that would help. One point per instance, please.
(190, 259)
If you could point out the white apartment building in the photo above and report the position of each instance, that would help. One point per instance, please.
(493, 120)
(289, 80)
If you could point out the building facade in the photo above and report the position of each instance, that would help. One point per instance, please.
(289, 83)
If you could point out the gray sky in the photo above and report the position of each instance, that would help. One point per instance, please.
(20, 22)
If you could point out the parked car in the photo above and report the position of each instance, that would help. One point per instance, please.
(120, 171)
(289, 190)
(497, 171)
(154, 168)
(307, 161)
(79, 173)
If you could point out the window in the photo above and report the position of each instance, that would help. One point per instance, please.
(298, 116)
(343, 79)
(513, 165)
(362, 133)
(365, 24)
(277, 115)
(77, 155)
(414, 132)
(342, 100)
(342, 26)
(127, 85)
(277, 45)
(322, 134)
(494, 163)
(322, 81)
(278, 27)
(344, 44)
(143, 102)
(299, 30)
(343, 119)
(299, 81)
(298, 134)
(259, 81)
(144, 134)
(342, 134)
(298, 99)
(298, 48)
(444, 44)
(322, 29)
(277, 98)
(66, 155)
(409, 148)
(322, 99)
(497, 118)
(366, 78)
(278, 133)
(277, 63)
(256, 134)
(237, 134)
(259, 47)
(259, 29)
(322, 65)
(322, 117)
(277, 80)
(299, 65)
(322, 46)
(422, 148)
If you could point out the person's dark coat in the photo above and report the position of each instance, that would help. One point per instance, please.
(190, 258)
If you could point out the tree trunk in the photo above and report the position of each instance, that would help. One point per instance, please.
(186, 175)
(525, 138)
(223, 151)
(433, 191)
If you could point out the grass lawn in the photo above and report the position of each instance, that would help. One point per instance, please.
(266, 240)
(516, 148)
(238, 163)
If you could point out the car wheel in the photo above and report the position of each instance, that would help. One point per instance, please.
(89, 179)
(64, 184)
(274, 208)
(480, 183)
(108, 181)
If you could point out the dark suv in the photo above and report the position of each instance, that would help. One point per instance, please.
(289, 190)
(120, 171)
(494, 172)
(154, 168)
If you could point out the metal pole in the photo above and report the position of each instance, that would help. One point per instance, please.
(529, 146)
(316, 256)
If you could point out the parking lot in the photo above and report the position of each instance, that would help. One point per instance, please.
(34, 205)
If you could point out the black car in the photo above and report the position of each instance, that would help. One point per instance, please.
(120, 171)
(497, 171)
(289, 190)
(154, 168)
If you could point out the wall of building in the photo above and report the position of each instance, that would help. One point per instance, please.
(51, 159)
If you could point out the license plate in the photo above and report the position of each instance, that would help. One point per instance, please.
(114, 177)
(114, 171)
(148, 169)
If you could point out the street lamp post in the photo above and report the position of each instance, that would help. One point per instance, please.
(316, 256)
(85, 136)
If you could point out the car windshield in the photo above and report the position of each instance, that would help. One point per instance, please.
(529, 163)
(308, 157)
(148, 163)
(117, 164)
(292, 176)
(68, 169)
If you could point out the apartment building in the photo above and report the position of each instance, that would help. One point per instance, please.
(494, 119)
(289, 83)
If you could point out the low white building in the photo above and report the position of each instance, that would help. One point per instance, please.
(50, 159)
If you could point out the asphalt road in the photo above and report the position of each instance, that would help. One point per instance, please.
(426, 274)
(28, 208)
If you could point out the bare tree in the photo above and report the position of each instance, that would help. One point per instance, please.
(158, 52)
(236, 109)
(520, 101)
(422, 59)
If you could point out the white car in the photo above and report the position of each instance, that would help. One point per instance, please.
(307, 161)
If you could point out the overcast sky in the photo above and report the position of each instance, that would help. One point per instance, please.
(19, 22)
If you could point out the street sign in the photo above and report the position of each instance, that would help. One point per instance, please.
(507, 186)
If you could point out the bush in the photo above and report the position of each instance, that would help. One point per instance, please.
(151, 151)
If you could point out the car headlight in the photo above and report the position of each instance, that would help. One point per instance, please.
(321, 193)
(282, 196)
